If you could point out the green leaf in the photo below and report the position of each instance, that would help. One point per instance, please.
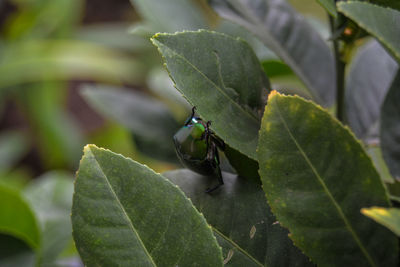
(13, 146)
(222, 78)
(330, 6)
(15, 252)
(389, 131)
(17, 218)
(241, 220)
(245, 167)
(124, 214)
(370, 75)
(51, 198)
(317, 177)
(375, 152)
(276, 68)
(149, 119)
(388, 3)
(383, 23)
(389, 217)
(289, 36)
(186, 15)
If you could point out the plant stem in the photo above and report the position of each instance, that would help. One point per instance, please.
(340, 73)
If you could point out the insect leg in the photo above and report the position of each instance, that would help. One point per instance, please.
(191, 117)
(214, 157)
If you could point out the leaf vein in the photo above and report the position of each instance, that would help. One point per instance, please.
(326, 189)
(123, 209)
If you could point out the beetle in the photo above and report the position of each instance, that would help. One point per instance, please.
(197, 148)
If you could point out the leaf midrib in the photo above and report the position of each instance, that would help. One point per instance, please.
(326, 189)
(210, 81)
(122, 209)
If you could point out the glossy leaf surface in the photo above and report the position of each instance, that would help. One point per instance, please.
(241, 220)
(124, 214)
(381, 22)
(390, 128)
(222, 78)
(370, 74)
(317, 177)
(389, 217)
(289, 36)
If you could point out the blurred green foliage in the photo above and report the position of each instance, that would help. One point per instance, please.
(47, 54)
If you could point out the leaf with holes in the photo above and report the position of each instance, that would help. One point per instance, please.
(124, 214)
(222, 77)
(241, 220)
(317, 177)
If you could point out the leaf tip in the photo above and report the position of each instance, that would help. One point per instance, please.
(272, 94)
(89, 147)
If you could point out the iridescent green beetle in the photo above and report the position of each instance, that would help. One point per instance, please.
(197, 148)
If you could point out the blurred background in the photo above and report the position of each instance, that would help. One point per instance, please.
(74, 72)
(53, 54)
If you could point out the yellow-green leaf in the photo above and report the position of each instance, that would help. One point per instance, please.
(389, 217)
(317, 177)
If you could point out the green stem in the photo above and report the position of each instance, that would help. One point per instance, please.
(340, 74)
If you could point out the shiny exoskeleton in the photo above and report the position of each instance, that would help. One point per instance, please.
(197, 148)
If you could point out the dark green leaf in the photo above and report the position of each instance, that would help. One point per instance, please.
(317, 177)
(149, 119)
(244, 166)
(388, 3)
(17, 218)
(51, 198)
(370, 75)
(390, 128)
(389, 217)
(287, 34)
(330, 6)
(15, 252)
(383, 23)
(241, 220)
(186, 15)
(222, 78)
(124, 214)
